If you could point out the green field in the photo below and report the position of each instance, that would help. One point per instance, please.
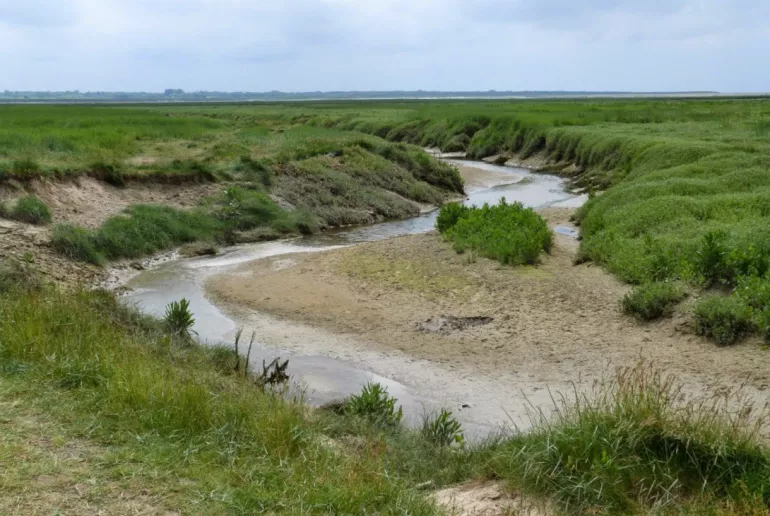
(682, 190)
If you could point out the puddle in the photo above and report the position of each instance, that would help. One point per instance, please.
(570, 232)
(419, 386)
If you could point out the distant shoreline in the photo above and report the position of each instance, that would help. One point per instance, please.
(70, 97)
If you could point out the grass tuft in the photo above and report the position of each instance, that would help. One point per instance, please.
(32, 210)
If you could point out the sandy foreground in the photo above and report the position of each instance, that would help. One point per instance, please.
(474, 333)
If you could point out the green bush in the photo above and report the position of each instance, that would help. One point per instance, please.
(755, 293)
(725, 320)
(147, 229)
(711, 258)
(458, 143)
(32, 210)
(652, 300)
(375, 404)
(443, 429)
(449, 214)
(508, 233)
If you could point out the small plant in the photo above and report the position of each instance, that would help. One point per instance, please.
(755, 293)
(652, 300)
(710, 259)
(443, 429)
(32, 210)
(179, 319)
(374, 403)
(725, 320)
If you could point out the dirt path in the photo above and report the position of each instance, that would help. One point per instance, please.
(529, 328)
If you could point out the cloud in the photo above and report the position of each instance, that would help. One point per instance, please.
(385, 44)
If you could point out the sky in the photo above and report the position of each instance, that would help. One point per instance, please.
(334, 45)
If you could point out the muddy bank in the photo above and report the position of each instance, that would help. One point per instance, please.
(546, 327)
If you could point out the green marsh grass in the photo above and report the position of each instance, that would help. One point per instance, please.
(30, 209)
(637, 445)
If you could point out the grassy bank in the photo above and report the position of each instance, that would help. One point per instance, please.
(150, 419)
(280, 177)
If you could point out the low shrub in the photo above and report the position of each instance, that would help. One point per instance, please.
(146, 229)
(755, 293)
(725, 320)
(652, 300)
(711, 258)
(375, 404)
(449, 214)
(32, 210)
(458, 143)
(109, 173)
(443, 429)
(508, 233)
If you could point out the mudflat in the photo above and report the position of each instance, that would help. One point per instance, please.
(529, 329)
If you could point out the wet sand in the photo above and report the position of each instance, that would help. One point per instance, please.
(552, 326)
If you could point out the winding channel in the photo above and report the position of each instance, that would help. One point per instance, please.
(328, 378)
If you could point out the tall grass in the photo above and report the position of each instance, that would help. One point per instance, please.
(30, 209)
(259, 452)
(637, 445)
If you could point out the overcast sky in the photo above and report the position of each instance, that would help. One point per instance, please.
(308, 45)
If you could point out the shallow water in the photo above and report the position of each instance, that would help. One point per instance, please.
(324, 378)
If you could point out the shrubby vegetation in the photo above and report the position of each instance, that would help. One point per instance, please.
(375, 404)
(508, 233)
(652, 300)
(723, 319)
